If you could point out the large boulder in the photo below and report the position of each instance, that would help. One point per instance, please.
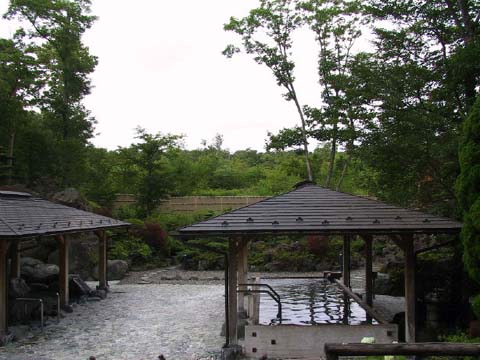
(71, 197)
(35, 271)
(116, 270)
(28, 261)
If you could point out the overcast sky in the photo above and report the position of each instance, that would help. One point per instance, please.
(161, 68)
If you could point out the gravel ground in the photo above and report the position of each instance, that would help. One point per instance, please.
(135, 322)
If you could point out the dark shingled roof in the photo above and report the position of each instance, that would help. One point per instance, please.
(23, 215)
(313, 209)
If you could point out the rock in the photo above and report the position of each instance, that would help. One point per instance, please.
(67, 308)
(40, 273)
(78, 287)
(116, 270)
(28, 261)
(383, 285)
(71, 197)
(18, 288)
(102, 294)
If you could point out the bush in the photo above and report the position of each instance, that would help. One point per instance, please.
(126, 212)
(156, 238)
(130, 248)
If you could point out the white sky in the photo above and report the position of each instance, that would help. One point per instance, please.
(161, 68)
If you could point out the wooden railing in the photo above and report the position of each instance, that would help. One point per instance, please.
(333, 351)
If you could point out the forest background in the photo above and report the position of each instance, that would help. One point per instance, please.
(391, 126)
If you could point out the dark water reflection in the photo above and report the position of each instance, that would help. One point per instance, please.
(309, 302)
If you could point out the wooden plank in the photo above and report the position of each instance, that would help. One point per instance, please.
(423, 349)
(232, 291)
(63, 265)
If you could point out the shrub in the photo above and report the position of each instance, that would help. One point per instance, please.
(318, 244)
(130, 248)
(156, 237)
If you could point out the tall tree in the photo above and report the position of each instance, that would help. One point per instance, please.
(18, 72)
(468, 192)
(336, 25)
(266, 33)
(57, 26)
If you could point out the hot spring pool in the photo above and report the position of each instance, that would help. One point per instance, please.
(308, 302)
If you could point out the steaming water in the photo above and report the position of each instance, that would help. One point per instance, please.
(308, 302)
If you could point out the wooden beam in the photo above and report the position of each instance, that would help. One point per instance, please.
(333, 351)
(232, 292)
(3, 289)
(15, 265)
(102, 259)
(63, 274)
(368, 309)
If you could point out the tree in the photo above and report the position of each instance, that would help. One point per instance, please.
(336, 25)
(155, 180)
(468, 191)
(57, 27)
(18, 72)
(266, 33)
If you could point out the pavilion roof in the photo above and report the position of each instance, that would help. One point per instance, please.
(317, 210)
(23, 215)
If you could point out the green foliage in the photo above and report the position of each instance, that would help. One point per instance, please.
(468, 191)
(130, 248)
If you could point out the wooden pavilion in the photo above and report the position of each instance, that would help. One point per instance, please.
(24, 217)
(311, 209)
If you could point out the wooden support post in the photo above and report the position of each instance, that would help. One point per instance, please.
(232, 292)
(15, 264)
(63, 265)
(102, 260)
(3, 290)
(410, 296)
(242, 269)
(346, 260)
(368, 273)
(406, 243)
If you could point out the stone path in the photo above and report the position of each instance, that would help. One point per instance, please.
(135, 322)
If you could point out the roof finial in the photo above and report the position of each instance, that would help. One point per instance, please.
(303, 183)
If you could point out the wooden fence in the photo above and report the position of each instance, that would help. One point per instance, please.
(188, 204)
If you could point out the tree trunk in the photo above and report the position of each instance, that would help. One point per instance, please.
(10, 157)
(344, 171)
(304, 136)
(333, 153)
